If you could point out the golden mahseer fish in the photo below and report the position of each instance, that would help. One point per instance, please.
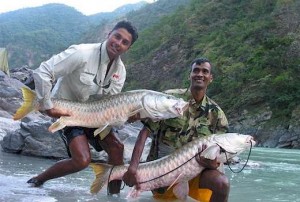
(111, 110)
(176, 169)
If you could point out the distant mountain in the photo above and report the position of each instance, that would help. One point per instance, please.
(32, 35)
(143, 18)
(119, 12)
(154, 12)
(254, 47)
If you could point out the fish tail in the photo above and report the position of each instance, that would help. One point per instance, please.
(57, 125)
(28, 105)
(102, 172)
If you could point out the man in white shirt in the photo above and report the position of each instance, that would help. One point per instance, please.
(82, 71)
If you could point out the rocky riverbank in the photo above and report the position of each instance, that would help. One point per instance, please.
(30, 136)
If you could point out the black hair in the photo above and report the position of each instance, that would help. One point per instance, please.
(129, 27)
(200, 61)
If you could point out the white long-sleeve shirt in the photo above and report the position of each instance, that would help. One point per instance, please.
(79, 73)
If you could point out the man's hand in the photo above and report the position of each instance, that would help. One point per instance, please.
(130, 179)
(207, 163)
(55, 113)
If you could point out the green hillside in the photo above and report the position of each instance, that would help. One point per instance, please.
(254, 46)
(32, 35)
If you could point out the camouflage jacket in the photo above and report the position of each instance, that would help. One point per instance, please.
(201, 119)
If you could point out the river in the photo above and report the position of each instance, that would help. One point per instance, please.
(271, 175)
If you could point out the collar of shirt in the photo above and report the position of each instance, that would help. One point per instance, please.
(200, 106)
(103, 63)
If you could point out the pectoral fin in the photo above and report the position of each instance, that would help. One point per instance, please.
(135, 112)
(211, 152)
(57, 125)
(175, 181)
(181, 190)
(100, 129)
(221, 168)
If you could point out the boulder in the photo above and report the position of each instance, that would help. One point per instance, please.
(31, 137)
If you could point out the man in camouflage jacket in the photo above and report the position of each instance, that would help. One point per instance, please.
(203, 117)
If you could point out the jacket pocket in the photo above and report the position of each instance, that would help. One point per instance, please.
(87, 78)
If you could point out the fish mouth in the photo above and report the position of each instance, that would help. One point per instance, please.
(251, 141)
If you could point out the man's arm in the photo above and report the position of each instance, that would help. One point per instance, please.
(56, 113)
(49, 71)
(206, 163)
(130, 176)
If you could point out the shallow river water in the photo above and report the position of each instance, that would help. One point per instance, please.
(271, 175)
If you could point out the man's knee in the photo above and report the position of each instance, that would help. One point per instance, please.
(117, 148)
(221, 182)
(81, 162)
(115, 153)
(113, 145)
(114, 148)
(218, 183)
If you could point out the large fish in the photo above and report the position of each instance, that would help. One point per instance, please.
(109, 110)
(177, 168)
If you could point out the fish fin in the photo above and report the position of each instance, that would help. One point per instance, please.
(135, 112)
(100, 129)
(28, 105)
(101, 171)
(175, 181)
(133, 193)
(211, 152)
(181, 190)
(221, 168)
(57, 125)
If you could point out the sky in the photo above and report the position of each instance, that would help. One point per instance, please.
(87, 7)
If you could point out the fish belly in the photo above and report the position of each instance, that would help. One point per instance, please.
(96, 114)
(164, 177)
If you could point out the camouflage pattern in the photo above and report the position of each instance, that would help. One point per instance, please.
(201, 119)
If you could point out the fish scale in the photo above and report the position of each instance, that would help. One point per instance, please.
(172, 164)
(177, 168)
(108, 110)
(114, 107)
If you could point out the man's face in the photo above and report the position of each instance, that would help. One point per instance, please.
(201, 76)
(118, 42)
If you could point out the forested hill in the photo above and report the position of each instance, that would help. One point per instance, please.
(32, 35)
(254, 46)
(255, 50)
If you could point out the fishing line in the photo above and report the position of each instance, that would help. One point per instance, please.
(198, 153)
(243, 165)
(170, 170)
(107, 188)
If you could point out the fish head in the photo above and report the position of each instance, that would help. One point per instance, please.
(233, 143)
(160, 106)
